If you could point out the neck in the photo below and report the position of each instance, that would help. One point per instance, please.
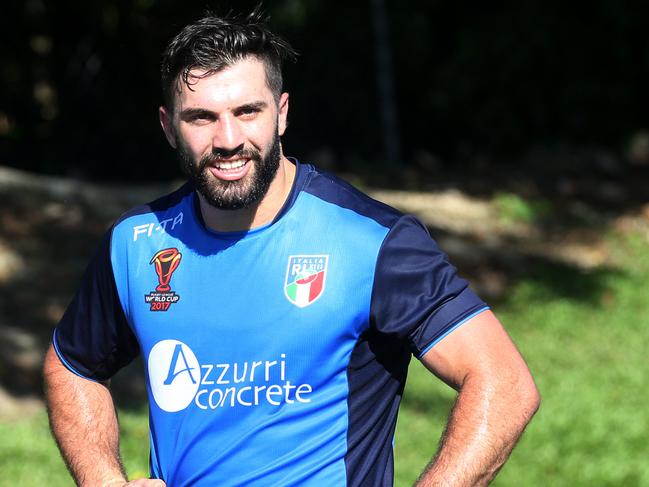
(257, 215)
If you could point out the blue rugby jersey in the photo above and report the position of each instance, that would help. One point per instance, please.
(276, 356)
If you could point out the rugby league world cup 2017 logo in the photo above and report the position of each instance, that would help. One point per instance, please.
(166, 262)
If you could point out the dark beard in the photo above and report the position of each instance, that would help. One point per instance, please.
(233, 195)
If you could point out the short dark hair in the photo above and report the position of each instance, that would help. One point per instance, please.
(214, 43)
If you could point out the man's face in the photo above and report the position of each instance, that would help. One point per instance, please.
(226, 129)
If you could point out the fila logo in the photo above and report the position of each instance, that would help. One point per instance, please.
(147, 229)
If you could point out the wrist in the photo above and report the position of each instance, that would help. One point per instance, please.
(115, 482)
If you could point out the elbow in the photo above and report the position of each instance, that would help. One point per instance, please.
(529, 397)
(520, 395)
(534, 402)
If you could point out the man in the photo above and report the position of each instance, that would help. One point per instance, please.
(276, 308)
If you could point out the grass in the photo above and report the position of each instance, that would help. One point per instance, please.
(584, 336)
(28, 455)
(588, 354)
(515, 209)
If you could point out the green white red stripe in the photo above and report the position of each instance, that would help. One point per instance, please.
(305, 278)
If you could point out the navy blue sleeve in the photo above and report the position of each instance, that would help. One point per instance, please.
(94, 339)
(417, 295)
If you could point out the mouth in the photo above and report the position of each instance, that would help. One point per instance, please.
(231, 169)
(230, 165)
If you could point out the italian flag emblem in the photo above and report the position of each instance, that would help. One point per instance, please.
(305, 278)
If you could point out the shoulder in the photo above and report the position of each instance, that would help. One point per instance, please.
(159, 215)
(162, 204)
(335, 191)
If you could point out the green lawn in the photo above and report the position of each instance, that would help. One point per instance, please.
(584, 336)
(28, 455)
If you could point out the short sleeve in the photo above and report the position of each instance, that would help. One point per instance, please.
(94, 339)
(417, 295)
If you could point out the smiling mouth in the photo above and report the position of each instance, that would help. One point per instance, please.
(230, 166)
(230, 169)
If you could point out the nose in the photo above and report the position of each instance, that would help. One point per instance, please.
(228, 137)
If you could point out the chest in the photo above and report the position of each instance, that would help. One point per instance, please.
(285, 293)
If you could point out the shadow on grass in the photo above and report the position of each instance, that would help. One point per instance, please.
(421, 400)
(494, 271)
(129, 388)
(45, 245)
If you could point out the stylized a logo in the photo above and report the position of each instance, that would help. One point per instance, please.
(178, 353)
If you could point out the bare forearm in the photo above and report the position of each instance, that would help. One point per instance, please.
(484, 426)
(83, 421)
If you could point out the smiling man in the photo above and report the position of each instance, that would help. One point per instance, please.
(275, 306)
(226, 126)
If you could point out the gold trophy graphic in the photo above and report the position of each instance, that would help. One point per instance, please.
(166, 262)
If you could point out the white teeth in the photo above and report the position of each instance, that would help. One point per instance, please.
(229, 165)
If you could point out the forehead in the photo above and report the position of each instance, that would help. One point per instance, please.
(242, 82)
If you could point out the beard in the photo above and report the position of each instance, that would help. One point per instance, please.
(233, 195)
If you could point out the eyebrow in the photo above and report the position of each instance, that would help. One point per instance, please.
(190, 112)
(255, 105)
(193, 111)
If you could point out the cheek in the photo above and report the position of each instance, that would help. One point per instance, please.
(196, 142)
(261, 135)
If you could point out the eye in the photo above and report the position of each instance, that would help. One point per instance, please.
(200, 118)
(248, 112)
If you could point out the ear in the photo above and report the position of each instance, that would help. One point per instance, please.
(166, 122)
(282, 114)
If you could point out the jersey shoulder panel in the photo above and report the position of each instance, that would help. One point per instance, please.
(418, 296)
(93, 338)
(334, 190)
(160, 206)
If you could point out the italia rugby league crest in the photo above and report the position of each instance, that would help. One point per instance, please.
(305, 278)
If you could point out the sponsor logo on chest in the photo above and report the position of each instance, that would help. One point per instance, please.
(178, 378)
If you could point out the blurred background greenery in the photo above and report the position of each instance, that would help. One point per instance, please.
(469, 84)
(517, 131)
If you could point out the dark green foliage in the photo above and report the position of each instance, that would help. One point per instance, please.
(79, 82)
